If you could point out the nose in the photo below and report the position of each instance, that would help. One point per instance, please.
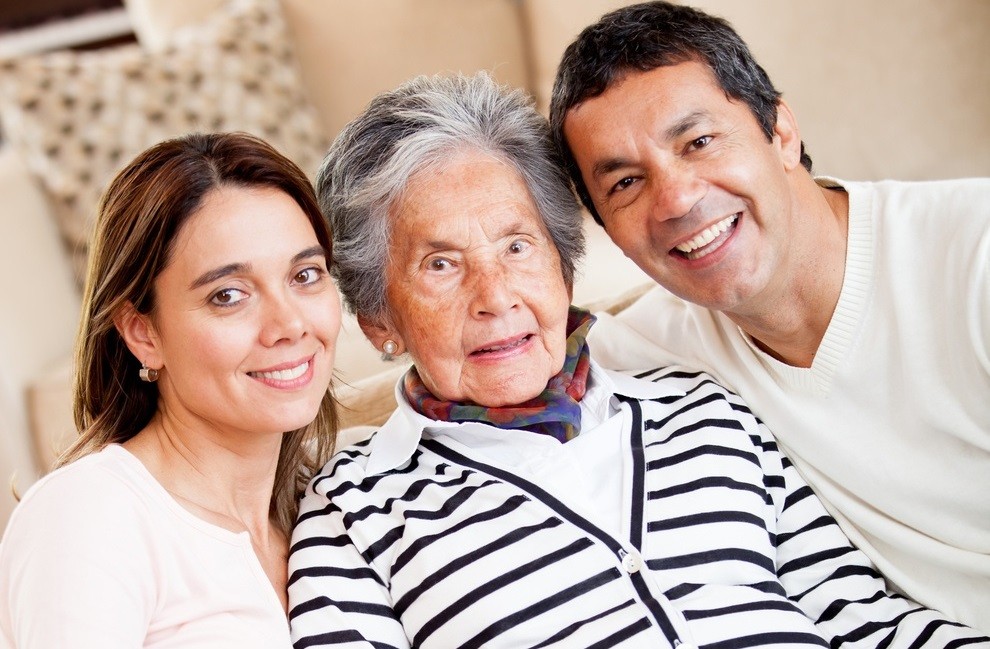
(492, 291)
(676, 190)
(282, 319)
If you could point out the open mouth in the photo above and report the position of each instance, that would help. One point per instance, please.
(503, 346)
(709, 240)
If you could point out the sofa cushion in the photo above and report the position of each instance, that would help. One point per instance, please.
(50, 413)
(156, 22)
(350, 51)
(348, 56)
(77, 117)
(40, 312)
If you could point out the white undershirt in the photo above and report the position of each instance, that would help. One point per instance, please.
(586, 473)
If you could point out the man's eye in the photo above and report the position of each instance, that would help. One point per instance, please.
(227, 297)
(622, 184)
(701, 142)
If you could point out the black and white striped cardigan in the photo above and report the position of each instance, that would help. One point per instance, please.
(727, 548)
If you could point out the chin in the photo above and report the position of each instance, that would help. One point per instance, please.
(499, 396)
(294, 419)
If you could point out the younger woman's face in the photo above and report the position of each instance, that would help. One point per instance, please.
(246, 316)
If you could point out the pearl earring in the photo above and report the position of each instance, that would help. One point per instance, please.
(389, 348)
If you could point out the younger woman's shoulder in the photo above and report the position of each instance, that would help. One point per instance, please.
(77, 553)
(94, 490)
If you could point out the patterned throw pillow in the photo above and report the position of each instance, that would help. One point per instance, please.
(78, 117)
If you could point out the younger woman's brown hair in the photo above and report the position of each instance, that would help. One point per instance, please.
(139, 217)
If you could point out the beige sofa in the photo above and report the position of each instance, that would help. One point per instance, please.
(880, 89)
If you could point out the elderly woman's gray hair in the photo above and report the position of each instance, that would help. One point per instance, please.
(413, 129)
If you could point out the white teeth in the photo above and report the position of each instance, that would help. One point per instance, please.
(707, 236)
(283, 375)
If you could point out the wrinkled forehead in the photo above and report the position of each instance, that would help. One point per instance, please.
(457, 169)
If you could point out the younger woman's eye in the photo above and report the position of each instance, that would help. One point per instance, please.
(310, 275)
(227, 297)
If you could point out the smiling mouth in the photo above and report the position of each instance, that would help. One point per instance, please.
(282, 375)
(709, 240)
(501, 347)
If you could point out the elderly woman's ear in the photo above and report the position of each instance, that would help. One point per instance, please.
(382, 334)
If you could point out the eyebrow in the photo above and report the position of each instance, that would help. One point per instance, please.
(312, 251)
(232, 269)
(605, 167)
(685, 124)
(433, 245)
(674, 131)
(443, 244)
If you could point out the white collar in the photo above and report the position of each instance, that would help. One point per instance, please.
(397, 439)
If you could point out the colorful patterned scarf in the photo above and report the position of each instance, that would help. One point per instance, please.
(555, 412)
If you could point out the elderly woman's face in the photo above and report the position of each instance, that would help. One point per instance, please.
(474, 284)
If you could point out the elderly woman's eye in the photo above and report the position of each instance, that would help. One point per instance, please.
(517, 247)
(227, 297)
(438, 263)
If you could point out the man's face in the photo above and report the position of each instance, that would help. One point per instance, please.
(688, 185)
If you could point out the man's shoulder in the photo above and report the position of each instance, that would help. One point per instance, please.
(935, 197)
(937, 214)
(937, 185)
(897, 215)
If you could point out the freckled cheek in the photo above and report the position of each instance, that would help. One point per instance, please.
(430, 325)
(551, 309)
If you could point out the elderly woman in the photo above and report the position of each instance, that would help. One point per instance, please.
(520, 496)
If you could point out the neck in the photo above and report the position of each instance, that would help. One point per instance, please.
(226, 481)
(811, 284)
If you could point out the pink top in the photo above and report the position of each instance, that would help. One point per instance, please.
(98, 554)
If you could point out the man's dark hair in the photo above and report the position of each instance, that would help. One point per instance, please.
(645, 36)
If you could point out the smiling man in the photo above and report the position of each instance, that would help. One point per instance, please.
(854, 317)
